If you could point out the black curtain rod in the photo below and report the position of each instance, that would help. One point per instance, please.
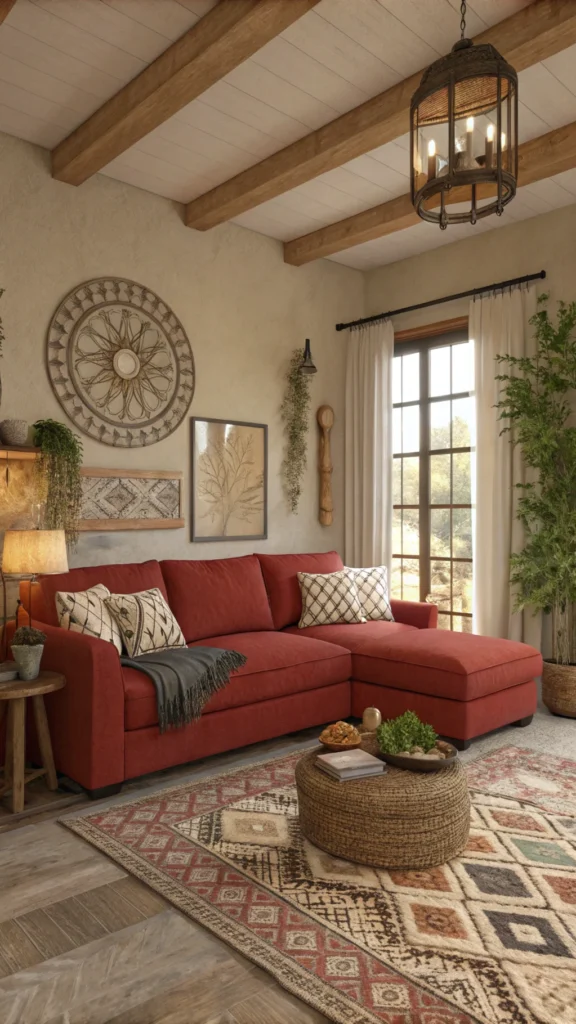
(446, 298)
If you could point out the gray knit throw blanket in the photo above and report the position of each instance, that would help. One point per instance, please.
(185, 678)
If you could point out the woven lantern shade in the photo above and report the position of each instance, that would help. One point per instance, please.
(464, 136)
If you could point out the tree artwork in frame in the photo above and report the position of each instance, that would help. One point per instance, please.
(229, 480)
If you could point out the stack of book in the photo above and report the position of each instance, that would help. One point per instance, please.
(350, 764)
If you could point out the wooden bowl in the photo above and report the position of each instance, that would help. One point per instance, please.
(419, 764)
(336, 748)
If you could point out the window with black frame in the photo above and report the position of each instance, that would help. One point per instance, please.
(433, 443)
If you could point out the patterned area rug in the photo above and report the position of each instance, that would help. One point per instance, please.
(489, 938)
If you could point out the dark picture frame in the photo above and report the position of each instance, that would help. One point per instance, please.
(229, 480)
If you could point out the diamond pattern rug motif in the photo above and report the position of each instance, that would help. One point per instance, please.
(489, 938)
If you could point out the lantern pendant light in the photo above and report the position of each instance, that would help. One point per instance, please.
(464, 135)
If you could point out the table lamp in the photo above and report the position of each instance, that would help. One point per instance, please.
(29, 553)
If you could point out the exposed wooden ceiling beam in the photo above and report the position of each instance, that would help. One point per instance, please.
(540, 158)
(5, 8)
(533, 34)
(224, 38)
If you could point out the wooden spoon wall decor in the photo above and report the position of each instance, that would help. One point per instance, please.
(325, 418)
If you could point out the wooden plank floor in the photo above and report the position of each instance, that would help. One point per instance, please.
(83, 942)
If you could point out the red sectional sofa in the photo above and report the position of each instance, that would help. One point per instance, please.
(104, 723)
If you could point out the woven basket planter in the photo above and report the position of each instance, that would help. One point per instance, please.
(559, 689)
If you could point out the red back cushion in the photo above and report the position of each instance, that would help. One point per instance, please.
(217, 596)
(120, 579)
(281, 581)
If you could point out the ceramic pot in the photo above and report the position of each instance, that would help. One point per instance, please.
(28, 660)
(14, 431)
(559, 689)
(371, 719)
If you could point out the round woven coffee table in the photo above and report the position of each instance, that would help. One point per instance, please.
(397, 820)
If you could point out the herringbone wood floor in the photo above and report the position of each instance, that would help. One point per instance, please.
(82, 942)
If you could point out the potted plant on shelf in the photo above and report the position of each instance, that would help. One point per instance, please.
(59, 467)
(27, 647)
(536, 407)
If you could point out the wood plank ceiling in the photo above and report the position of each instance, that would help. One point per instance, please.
(61, 60)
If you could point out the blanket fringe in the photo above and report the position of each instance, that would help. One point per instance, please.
(187, 707)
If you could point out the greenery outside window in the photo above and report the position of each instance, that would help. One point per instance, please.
(433, 443)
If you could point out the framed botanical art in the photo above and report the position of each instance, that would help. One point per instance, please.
(229, 480)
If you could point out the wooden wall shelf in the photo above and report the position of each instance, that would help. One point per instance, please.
(15, 451)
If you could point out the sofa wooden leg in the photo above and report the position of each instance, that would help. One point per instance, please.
(459, 744)
(523, 722)
(104, 791)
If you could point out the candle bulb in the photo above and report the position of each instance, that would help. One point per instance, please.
(503, 148)
(469, 140)
(431, 160)
(489, 145)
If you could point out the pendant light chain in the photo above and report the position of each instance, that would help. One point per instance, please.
(462, 19)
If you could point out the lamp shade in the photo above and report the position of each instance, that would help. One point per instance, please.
(31, 552)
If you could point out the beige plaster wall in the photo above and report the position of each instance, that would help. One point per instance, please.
(547, 242)
(243, 308)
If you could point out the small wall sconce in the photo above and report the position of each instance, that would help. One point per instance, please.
(307, 365)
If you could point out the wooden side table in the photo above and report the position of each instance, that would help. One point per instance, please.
(13, 695)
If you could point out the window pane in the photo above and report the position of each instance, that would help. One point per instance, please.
(411, 429)
(440, 532)
(396, 578)
(396, 481)
(397, 531)
(462, 587)
(396, 430)
(410, 579)
(462, 422)
(411, 377)
(462, 532)
(440, 584)
(440, 480)
(462, 368)
(461, 490)
(411, 488)
(444, 622)
(440, 371)
(460, 624)
(440, 425)
(397, 379)
(411, 532)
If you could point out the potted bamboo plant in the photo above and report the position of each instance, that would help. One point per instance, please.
(536, 408)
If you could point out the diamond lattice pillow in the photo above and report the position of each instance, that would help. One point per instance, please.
(328, 598)
(372, 586)
(85, 612)
(146, 622)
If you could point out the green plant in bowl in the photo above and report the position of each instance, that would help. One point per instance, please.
(401, 734)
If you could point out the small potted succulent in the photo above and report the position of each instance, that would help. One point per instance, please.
(27, 646)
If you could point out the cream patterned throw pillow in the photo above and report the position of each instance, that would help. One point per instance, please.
(146, 622)
(372, 585)
(328, 598)
(85, 612)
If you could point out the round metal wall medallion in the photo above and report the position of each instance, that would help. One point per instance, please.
(120, 363)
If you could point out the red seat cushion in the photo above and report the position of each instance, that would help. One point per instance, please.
(281, 581)
(460, 666)
(218, 596)
(120, 579)
(352, 635)
(277, 664)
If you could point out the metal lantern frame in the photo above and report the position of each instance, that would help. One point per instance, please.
(464, 71)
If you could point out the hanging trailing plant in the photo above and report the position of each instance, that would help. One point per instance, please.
(59, 469)
(294, 409)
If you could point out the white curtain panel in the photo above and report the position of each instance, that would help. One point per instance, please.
(498, 325)
(368, 445)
